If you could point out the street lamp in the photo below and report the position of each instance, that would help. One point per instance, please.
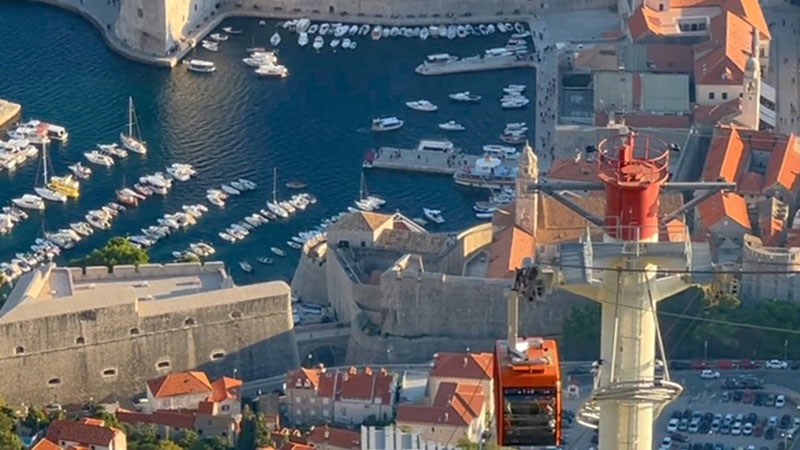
(705, 351)
(785, 349)
(309, 360)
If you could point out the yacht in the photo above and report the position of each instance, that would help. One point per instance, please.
(66, 185)
(387, 124)
(302, 40)
(99, 158)
(128, 197)
(29, 201)
(465, 96)
(277, 251)
(451, 125)
(201, 66)
(113, 149)
(272, 71)
(319, 42)
(275, 40)
(230, 30)
(210, 45)
(219, 37)
(45, 191)
(133, 139)
(422, 105)
(434, 215)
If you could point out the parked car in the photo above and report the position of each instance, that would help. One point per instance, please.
(726, 396)
(786, 421)
(780, 400)
(747, 429)
(736, 429)
(693, 427)
(737, 396)
(709, 374)
(747, 364)
(725, 429)
(673, 425)
(758, 431)
(747, 397)
(776, 364)
(769, 433)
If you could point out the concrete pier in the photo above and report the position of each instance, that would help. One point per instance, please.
(413, 160)
(8, 112)
(475, 65)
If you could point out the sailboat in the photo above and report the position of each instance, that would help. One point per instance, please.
(368, 202)
(274, 206)
(44, 191)
(133, 140)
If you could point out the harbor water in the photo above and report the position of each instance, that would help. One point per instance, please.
(313, 126)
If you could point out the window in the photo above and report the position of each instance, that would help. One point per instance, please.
(19, 350)
(195, 7)
(660, 6)
(188, 322)
(724, 95)
(236, 315)
(110, 372)
(134, 331)
(140, 12)
(163, 364)
(54, 382)
(80, 340)
(226, 407)
(711, 96)
(325, 400)
(217, 355)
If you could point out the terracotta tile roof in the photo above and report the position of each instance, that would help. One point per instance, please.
(722, 60)
(82, 433)
(473, 366)
(670, 58)
(296, 379)
(367, 385)
(771, 229)
(329, 383)
(784, 164)
(751, 11)
(171, 418)
(360, 221)
(750, 183)
(46, 444)
(182, 383)
(674, 231)
(508, 250)
(644, 22)
(722, 113)
(225, 388)
(454, 405)
(721, 206)
(726, 155)
(335, 437)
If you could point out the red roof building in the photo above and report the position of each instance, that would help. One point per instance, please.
(456, 411)
(725, 215)
(331, 438)
(194, 391)
(87, 433)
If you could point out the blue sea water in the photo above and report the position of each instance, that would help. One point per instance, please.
(312, 126)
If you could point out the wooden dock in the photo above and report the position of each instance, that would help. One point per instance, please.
(8, 112)
(414, 160)
(476, 65)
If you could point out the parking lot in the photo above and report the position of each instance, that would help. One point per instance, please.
(758, 412)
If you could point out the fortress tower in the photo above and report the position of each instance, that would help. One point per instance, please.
(159, 26)
(751, 92)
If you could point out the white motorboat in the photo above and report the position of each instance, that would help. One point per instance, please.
(363, 30)
(353, 30)
(272, 71)
(442, 31)
(82, 228)
(434, 215)
(113, 149)
(452, 32)
(394, 32)
(313, 28)
(302, 40)
(201, 66)
(248, 185)
(230, 30)
(133, 139)
(230, 190)
(465, 96)
(501, 27)
(461, 31)
(258, 59)
(519, 27)
(324, 28)
(210, 45)
(226, 236)
(219, 37)
(99, 158)
(264, 260)
(246, 266)
(262, 23)
(181, 172)
(514, 88)
(377, 32)
(275, 40)
(80, 171)
(516, 126)
(319, 42)
(29, 201)
(202, 249)
(451, 125)
(424, 33)
(514, 103)
(422, 105)
(346, 43)
(387, 124)
(341, 30)
(216, 200)
(334, 43)
(142, 189)
(500, 150)
(277, 251)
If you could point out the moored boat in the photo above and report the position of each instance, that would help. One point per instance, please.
(387, 124)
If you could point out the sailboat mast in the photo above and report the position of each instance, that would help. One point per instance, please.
(44, 161)
(275, 185)
(130, 116)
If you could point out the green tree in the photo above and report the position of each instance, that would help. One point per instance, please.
(10, 441)
(215, 443)
(98, 412)
(36, 419)
(169, 445)
(466, 444)
(582, 333)
(118, 250)
(186, 438)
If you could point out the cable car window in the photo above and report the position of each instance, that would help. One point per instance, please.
(529, 416)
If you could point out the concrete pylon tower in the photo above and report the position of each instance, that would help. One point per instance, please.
(527, 200)
(750, 116)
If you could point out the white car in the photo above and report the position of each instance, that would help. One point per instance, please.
(776, 364)
(673, 425)
(736, 429)
(780, 400)
(666, 443)
(709, 374)
(747, 430)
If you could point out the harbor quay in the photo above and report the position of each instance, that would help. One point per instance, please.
(476, 65)
(418, 160)
(8, 112)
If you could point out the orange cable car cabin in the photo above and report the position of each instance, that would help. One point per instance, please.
(527, 393)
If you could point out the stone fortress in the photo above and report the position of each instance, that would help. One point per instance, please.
(408, 293)
(67, 333)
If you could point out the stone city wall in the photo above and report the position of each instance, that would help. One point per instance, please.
(70, 357)
(309, 283)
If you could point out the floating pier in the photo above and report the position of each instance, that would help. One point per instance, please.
(475, 65)
(438, 157)
(8, 112)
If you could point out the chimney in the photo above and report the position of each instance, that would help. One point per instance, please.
(465, 361)
(367, 370)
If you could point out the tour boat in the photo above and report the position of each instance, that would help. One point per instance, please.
(302, 40)
(219, 37)
(465, 96)
(434, 215)
(201, 66)
(210, 45)
(387, 124)
(422, 105)
(230, 30)
(377, 32)
(275, 40)
(80, 171)
(133, 139)
(29, 201)
(451, 125)
(246, 266)
(277, 251)
(319, 42)
(272, 71)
